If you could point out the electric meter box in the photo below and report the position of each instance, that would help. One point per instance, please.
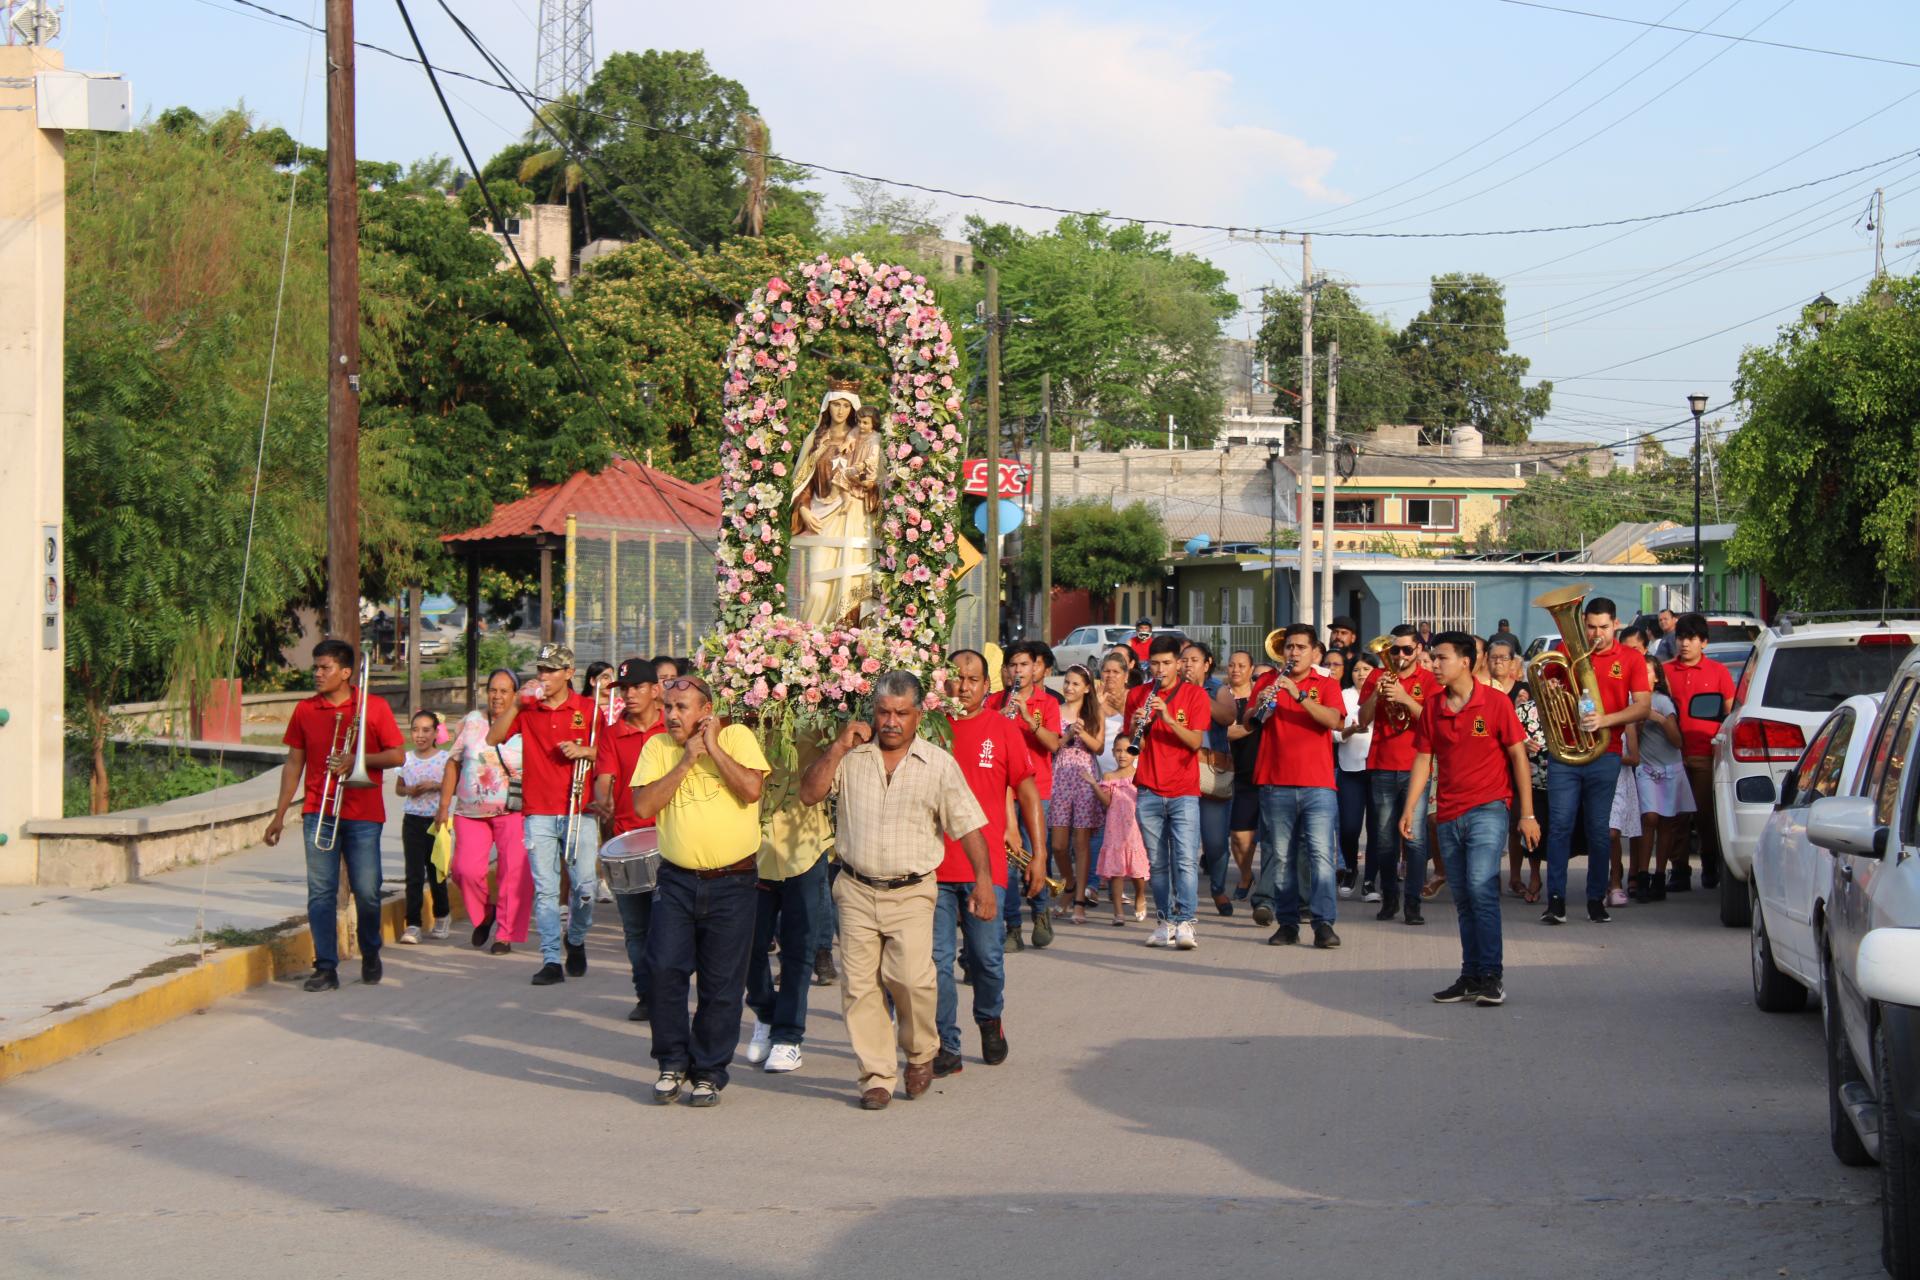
(75, 100)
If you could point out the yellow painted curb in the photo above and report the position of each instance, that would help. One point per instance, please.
(223, 973)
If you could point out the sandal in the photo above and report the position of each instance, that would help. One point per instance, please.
(1079, 915)
(1519, 890)
(1432, 889)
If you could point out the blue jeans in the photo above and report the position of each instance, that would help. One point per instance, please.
(785, 910)
(826, 919)
(1300, 822)
(358, 842)
(1471, 848)
(1216, 858)
(986, 954)
(1170, 826)
(1015, 889)
(1352, 790)
(546, 839)
(636, 918)
(701, 936)
(1388, 795)
(1580, 793)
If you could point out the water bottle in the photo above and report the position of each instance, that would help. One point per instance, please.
(1587, 707)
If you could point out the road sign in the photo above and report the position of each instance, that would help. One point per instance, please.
(1014, 476)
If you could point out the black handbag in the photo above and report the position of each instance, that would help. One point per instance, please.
(513, 782)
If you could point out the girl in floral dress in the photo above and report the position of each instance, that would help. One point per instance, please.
(418, 787)
(1123, 854)
(1075, 812)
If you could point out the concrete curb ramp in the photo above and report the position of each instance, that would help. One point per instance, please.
(223, 973)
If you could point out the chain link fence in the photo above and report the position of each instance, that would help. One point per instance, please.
(635, 591)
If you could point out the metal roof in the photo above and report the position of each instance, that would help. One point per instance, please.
(627, 495)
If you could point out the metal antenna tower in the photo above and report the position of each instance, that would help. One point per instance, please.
(565, 61)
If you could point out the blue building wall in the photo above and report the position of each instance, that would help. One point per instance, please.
(1379, 595)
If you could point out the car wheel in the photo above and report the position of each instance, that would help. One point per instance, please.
(1773, 990)
(1846, 1143)
(1899, 1175)
(1734, 907)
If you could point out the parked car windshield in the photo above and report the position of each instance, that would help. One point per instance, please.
(1731, 631)
(1819, 678)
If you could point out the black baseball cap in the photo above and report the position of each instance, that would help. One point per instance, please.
(636, 671)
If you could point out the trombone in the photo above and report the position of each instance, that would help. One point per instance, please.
(582, 769)
(333, 789)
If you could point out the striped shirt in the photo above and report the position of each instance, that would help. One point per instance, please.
(887, 827)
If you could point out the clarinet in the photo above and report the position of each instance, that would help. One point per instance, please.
(1140, 727)
(1009, 710)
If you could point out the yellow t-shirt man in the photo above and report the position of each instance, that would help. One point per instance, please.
(704, 826)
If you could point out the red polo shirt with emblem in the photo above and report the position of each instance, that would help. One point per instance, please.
(1704, 676)
(311, 728)
(1049, 708)
(550, 774)
(1296, 751)
(618, 757)
(1168, 766)
(1469, 749)
(1393, 738)
(1620, 673)
(993, 757)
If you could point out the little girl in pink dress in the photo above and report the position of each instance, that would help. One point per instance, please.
(1123, 854)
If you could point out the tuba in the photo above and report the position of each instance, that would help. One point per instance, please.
(1561, 680)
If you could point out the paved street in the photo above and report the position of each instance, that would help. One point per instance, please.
(1239, 1110)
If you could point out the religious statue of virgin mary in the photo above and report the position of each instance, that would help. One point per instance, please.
(836, 501)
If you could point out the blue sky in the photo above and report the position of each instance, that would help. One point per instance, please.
(1274, 115)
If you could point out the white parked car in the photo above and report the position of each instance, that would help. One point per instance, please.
(1797, 676)
(1088, 645)
(1790, 878)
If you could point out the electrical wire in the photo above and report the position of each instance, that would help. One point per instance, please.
(1717, 35)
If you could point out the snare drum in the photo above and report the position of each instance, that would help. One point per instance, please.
(631, 863)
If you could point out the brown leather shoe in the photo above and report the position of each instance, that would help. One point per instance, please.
(875, 1099)
(919, 1079)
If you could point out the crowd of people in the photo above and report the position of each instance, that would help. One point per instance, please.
(1287, 783)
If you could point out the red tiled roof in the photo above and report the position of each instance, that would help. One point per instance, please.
(625, 495)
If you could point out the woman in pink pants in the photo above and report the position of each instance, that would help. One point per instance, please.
(479, 783)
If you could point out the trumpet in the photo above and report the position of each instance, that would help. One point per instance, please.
(582, 769)
(1020, 857)
(333, 790)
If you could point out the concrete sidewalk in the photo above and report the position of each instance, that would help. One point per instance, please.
(81, 967)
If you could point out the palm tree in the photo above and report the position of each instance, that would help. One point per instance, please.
(574, 132)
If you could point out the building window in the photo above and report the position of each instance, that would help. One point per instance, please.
(1444, 606)
(1196, 606)
(1355, 511)
(1245, 615)
(959, 264)
(1430, 513)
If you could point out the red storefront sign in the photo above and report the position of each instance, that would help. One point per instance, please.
(1013, 477)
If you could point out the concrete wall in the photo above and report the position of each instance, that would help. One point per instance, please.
(88, 852)
(33, 213)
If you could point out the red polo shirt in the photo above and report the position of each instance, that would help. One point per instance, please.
(1469, 749)
(1620, 672)
(1169, 767)
(1704, 676)
(619, 756)
(1392, 739)
(1049, 708)
(311, 728)
(550, 774)
(1295, 751)
(993, 757)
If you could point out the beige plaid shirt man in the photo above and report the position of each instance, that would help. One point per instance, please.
(891, 827)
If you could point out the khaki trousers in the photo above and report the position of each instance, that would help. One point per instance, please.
(886, 950)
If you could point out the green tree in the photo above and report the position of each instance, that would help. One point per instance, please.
(1097, 546)
(1827, 464)
(1459, 370)
(1373, 383)
(1127, 327)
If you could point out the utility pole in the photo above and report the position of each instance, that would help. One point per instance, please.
(1326, 482)
(1879, 232)
(1046, 508)
(990, 597)
(1305, 604)
(343, 334)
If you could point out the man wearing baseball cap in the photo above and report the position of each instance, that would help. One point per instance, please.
(554, 723)
(639, 683)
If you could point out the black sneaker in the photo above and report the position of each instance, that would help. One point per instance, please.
(1679, 880)
(1597, 911)
(322, 980)
(1285, 936)
(1462, 990)
(824, 974)
(641, 1012)
(1014, 942)
(1656, 889)
(993, 1043)
(1414, 915)
(501, 949)
(705, 1094)
(1263, 915)
(1556, 912)
(947, 1063)
(1324, 937)
(1709, 874)
(1042, 929)
(371, 970)
(548, 975)
(481, 930)
(1491, 993)
(576, 960)
(1389, 905)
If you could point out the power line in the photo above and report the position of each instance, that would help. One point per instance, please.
(1717, 35)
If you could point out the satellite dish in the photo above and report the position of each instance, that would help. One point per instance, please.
(35, 22)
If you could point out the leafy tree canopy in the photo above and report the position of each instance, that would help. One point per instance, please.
(1097, 545)
(1374, 388)
(1458, 367)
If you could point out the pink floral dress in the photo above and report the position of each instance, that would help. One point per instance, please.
(1122, 851)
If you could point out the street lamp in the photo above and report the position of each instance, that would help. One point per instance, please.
(1698, 405)
(1823, 309)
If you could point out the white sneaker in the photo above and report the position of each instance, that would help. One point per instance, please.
(1346, 891)
(1372, 895)
(605, 894)
(761, 1043)
(1161, 935)
(442, 928)
(411, 937)
(667, 1087)
(1183, 936)
(785, 1057)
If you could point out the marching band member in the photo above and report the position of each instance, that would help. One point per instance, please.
(1168, 719)
(1298, 801)
(1391, 705)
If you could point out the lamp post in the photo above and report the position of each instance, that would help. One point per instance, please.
(1698, 405)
